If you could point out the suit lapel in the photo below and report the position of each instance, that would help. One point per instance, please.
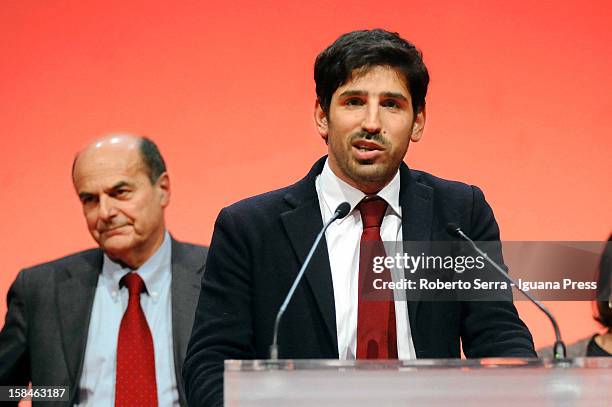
(416, 200)
(75, 293)
(187, 266)
(302, 225)
(304, 222)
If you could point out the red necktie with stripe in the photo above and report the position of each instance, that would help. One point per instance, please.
(376, 330)
(135, 384)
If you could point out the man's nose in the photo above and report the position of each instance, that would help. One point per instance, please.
(106, 208)
(371, 122)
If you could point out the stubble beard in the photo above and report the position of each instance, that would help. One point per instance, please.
(366, 175)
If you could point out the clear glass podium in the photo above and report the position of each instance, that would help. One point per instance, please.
(430, 382)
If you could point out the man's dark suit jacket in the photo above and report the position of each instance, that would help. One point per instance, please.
(257, 248)
(45, 333)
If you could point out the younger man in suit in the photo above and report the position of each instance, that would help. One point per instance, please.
(371, 88)
(110, 323)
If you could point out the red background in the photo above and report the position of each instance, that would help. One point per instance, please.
(519, 104)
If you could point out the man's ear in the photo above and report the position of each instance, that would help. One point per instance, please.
(418, 125)
(321, 120)
(163, 186)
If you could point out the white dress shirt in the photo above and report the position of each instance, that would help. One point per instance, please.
(97, 384)
(343, 239)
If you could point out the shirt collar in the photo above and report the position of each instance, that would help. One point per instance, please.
(153, 272)
(335, 191)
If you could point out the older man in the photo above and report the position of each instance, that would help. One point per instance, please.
(110, 323)
(371, 88)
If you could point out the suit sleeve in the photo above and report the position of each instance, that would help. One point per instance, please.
(14, 357)
(491, 328)
(222, 326)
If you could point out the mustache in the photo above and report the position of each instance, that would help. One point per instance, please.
(374, 137)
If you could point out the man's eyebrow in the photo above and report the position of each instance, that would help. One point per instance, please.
(394, 95)
(353, 93)
(120, 184)
(356, 92)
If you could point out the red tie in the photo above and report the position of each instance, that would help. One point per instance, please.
(376, 331)
(135, 385)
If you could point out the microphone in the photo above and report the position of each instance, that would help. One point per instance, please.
(559, 347)
(341, 211)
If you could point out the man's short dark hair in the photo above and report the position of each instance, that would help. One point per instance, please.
(365, 49)
(152, 159)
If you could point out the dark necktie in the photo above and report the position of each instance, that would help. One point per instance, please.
(135, 384)
(376, 331)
